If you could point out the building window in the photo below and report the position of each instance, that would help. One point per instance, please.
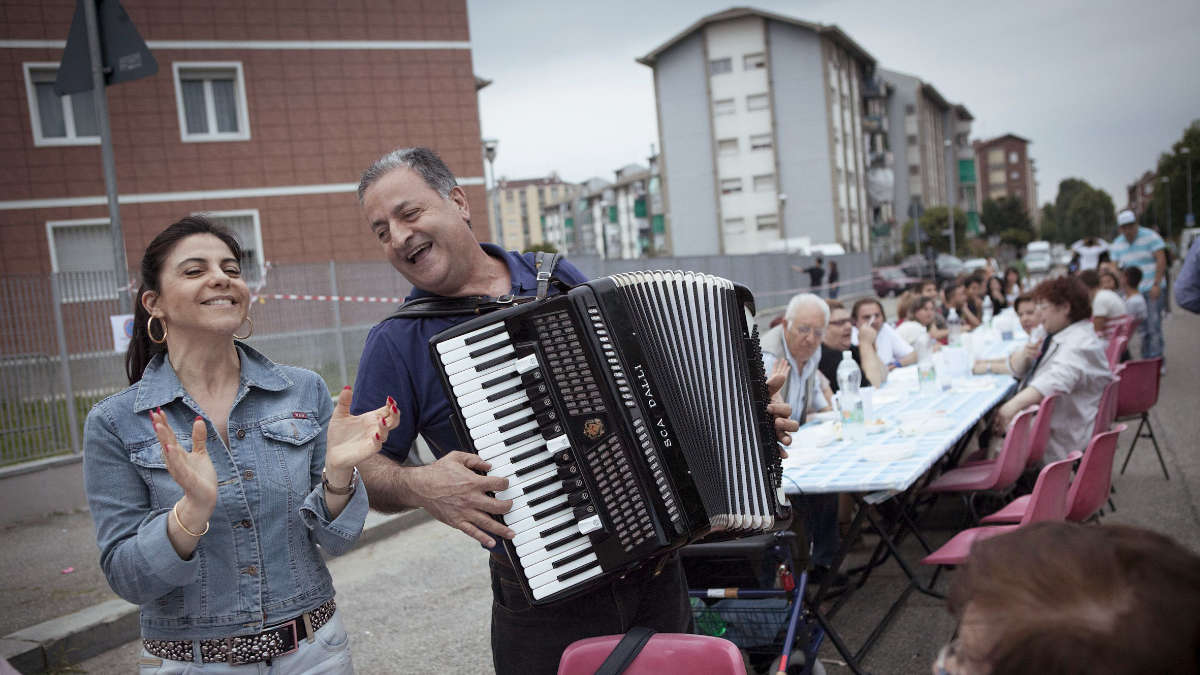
(727, 146)
(735, 225)
(754, 61)
(244, 225)
(996, 177)
(731, 186)
(760, 142)
(58, 120)
(81, 254)
(912, 139)
(768, 221)
(914, 169)
(1013, 157)
(211, 98)
(764, 183)
(720, 66)
(910, 109)
(724, 106)
(1014, 175)
(995, 157)
(757, 102)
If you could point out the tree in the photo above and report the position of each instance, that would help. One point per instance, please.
(1090, 214)
(545, 247)
(1173, 166)
(1067, 188)
(933, 227)
(1006, 213)
(1049, 227)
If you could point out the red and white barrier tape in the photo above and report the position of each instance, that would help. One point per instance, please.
(328, 298)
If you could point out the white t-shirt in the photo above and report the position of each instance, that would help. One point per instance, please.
(1089, 256)
(1135, 305)
(1107, 304)
(888, 344)
(911, 331)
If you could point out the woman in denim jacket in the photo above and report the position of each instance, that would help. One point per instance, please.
(215, 533)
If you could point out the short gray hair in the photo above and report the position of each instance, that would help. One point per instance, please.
(424, 161)
(806, 300)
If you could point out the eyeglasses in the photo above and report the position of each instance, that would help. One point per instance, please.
(840, 322)
(805, 331)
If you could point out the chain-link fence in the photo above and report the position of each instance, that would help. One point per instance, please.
(57, 354)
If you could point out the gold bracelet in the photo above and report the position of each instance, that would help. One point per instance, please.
(175, 512)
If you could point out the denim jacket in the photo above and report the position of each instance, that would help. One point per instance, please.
(259, 564)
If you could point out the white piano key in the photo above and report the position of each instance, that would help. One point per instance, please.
(500, 449)
(531, 523)
(532, 534)
(486, 428)
(465, 352)
(556, 586)
(499, 436)
(558, 443)
(552, 574)
(521, 500)
(527, 363)
(533, 568)
(480, 393)
(535, 553)
(484, 406)
(529, 548)
(464, 365)
(516, 484)
(524, 512)
(464, 389)
(456, 342)
(482, 375)
(506, 470)
(506, 457)
(488, 417)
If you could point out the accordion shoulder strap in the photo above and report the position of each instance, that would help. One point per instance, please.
(626, 651)
(436, 306)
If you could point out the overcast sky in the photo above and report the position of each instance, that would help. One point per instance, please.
(1100, 87)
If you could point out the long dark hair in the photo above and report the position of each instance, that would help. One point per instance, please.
(141, 348)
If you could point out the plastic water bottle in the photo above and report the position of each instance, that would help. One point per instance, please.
(708, 620)
(926, 374)
(849, 377)
(954, 325)
(987, 310)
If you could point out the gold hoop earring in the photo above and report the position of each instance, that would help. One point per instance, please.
(150, 333)
(248, 333)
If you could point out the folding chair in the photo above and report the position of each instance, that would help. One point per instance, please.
(996, 475)
(1048, 502)
(1137, 395)
(1116, 347)
(664, 653)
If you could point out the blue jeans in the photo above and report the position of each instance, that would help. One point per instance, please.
(530, 640)
(327, 654)
(1152, 333)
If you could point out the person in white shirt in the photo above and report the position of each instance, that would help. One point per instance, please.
(893, 351)
(1106, 304)
(1070, 362)
(1089, 251)
(1135, 306)
(920, 321)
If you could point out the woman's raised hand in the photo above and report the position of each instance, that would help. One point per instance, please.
(352, 438)
(193, 471)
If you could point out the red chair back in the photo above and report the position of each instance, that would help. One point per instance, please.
(1093, 480)
(1106, 410)
(1015, 452)
(1116, 345)
(664, 653)
(1139, 386)
(1049, 498)
(1041, 429)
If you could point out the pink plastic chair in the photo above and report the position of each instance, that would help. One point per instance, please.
(1116, 346)
(999, 474)
(1089, 489)
(1106, 410)
(1038, 437)
(1137, 395)
(1048, 502)
(664, 653)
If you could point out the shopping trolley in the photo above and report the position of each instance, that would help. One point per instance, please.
(747, 592)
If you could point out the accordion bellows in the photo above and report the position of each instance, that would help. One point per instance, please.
(629, 416)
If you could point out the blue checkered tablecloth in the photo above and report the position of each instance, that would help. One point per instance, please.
(842, 466)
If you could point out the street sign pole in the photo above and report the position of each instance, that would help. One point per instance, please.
(100, 96)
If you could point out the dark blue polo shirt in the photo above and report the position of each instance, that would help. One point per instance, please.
(395, 361)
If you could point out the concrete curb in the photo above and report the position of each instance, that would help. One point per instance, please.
(81, 635)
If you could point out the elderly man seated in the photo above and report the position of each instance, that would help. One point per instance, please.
(794, 347)
(1069, 361)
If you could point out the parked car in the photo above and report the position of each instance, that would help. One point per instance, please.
(972, 264)
(947, 267)
(891, 281)
(1037, 257)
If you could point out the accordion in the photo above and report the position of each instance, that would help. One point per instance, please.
(629, 416)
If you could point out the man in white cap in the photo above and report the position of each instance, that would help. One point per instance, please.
(1141, 247)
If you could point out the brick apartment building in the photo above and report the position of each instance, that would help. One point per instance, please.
(1006, 170)
(264, 115)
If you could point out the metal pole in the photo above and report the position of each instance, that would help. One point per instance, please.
(100, 97)
(337, 323)
(64, 364)
(1190, 220)
(950, 196)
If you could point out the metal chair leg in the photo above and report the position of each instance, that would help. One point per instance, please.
(1150, 429)
(1136, 435)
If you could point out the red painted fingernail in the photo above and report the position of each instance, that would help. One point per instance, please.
(395, 409)
(198, 418)
(346, 387)
(391, 400)
(376, 435)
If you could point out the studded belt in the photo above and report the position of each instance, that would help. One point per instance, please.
(271, 643)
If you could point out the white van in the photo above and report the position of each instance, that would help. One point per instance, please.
(1037, 257)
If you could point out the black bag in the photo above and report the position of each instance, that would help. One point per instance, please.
(436, 306)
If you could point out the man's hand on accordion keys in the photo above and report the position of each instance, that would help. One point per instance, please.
(453, 490)
(779, 409)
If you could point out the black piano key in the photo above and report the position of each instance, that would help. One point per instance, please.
(567, 560)
(523, 436)
(516, 423)
(532, 377)
(498, 330)
(540, 404)
(534, 487)
(548, 418)
(546, 513)
(528, 453)
(511, 410)
(565, 525)
(533, 467)
(579, 570)
(496, 380)
(545, 498)
(577, 498)
(507, 391)
(493, 363)
(488, 349)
